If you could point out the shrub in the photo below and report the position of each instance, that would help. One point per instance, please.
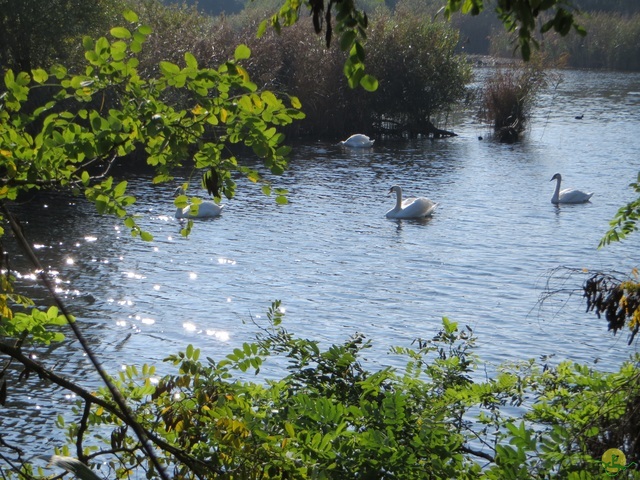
(420, 74)
(509, 94)
(416, 84)
(332, 417)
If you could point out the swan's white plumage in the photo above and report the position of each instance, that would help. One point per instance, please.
(568, 195)
(358, 141)
(411, 207)
(203, 210)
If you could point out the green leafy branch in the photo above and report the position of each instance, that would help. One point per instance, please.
(625, 220)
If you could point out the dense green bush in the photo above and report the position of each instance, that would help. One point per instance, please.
(420, 75)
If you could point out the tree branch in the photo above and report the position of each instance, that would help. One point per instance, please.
(89, 398)
(115, 393)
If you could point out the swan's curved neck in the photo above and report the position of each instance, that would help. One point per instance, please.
(398, 198)
(556, 194)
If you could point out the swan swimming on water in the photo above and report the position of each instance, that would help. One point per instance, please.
(568, 195)
(411, 207)
(357, 141)
(203, 210)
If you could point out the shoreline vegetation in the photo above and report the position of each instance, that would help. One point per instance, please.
(423, 63)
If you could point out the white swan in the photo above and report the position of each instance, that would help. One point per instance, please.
(201, 210)
(410, 208)
(358, 141)
(568, 195)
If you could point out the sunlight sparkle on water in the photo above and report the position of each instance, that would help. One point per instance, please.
(189, 327)
(193, 276)
(135, 275)
(156, 287)
(147, 321)
(226, 261)
(219, 335)
(90, 238)
(70, 261)
(38, 246)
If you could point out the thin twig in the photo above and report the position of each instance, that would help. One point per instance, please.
(83, 428)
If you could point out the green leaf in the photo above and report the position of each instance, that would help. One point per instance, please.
(169, 68)
(120, 189)
(242, 52)
(87, 43)
(145, 30)
(120, 32)
(130, 16)
(347, 39)
(369, 83)
(39, 75)
(191, 61)
(295, 102)
(262, 28)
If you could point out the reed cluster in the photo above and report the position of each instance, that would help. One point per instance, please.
(509, 95)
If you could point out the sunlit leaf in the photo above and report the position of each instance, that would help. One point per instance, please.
(39, 75)
(130, 16)
(120, 32)
(369, 83)
(242, 52)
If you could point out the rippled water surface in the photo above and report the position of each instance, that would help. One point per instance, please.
(340, 267)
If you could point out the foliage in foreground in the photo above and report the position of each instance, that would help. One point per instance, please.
(332, 417)
(63, 130)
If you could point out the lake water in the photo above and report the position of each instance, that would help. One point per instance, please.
(340, 267)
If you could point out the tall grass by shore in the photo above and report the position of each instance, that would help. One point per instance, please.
(612, 42)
